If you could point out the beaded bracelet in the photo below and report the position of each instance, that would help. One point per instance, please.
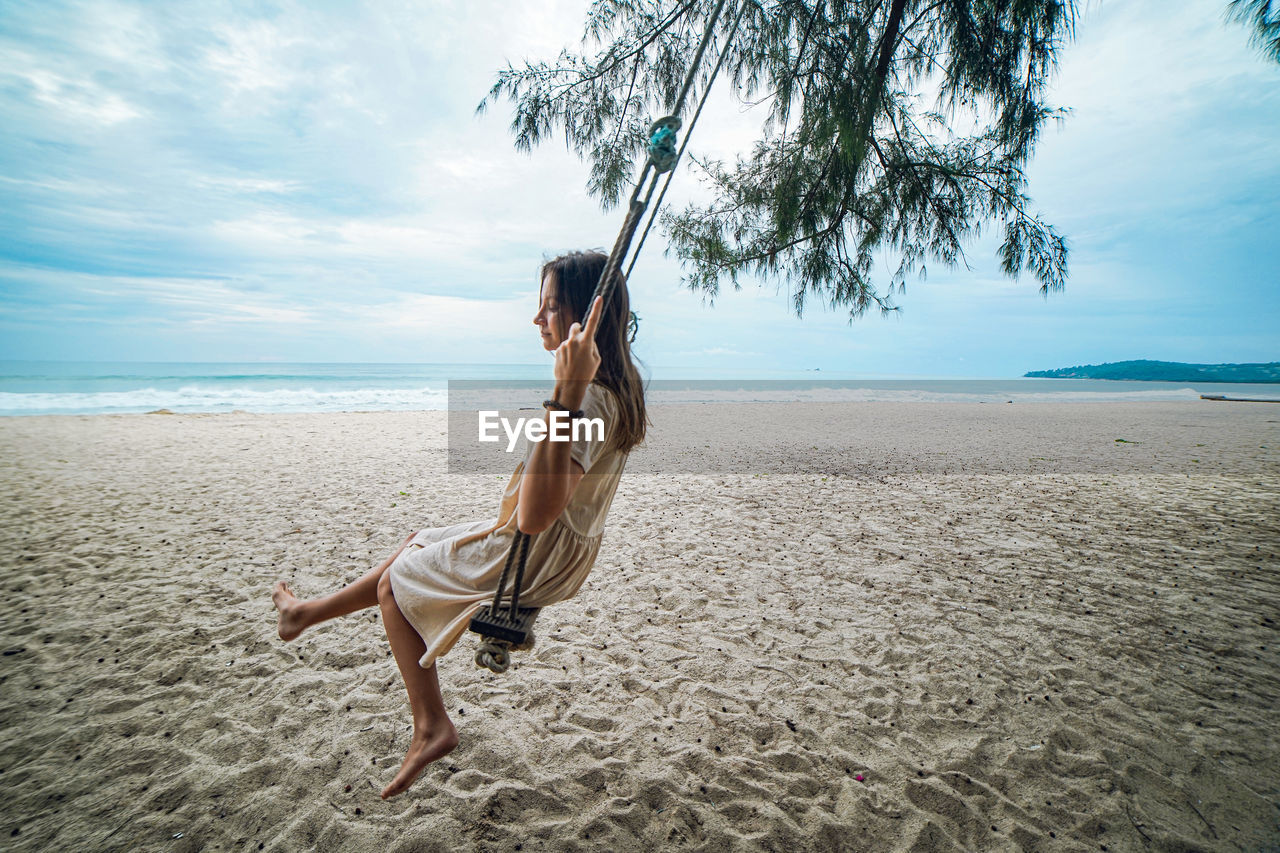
(574, 414)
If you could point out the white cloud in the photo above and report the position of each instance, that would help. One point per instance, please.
(247, 185)
(249, 58)
(75, 101)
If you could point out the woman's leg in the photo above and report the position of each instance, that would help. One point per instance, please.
(297, 615)
(433, 733)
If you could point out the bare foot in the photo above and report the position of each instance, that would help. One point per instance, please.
(290, 624)
(423, 750)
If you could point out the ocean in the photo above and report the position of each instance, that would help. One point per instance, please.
(85, 388)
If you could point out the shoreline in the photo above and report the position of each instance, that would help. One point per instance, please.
(679, 399)
(295, 395)
(1075, 649)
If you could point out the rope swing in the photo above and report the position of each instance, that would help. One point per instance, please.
(506, 626)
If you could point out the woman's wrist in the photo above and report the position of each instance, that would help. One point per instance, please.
(570, 393)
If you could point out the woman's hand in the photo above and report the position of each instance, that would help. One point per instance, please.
(578, 359)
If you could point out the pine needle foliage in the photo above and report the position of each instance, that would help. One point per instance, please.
(1264, 15)
(894, 129)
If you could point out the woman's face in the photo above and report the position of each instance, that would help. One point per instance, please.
(553, 318)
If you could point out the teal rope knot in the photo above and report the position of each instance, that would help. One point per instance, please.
(662, 143)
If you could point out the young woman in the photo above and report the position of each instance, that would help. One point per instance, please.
(439, 578)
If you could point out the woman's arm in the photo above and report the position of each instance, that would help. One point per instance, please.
(550, 474)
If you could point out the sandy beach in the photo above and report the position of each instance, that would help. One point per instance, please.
(863, 627)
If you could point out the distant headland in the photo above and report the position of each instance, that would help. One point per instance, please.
(1166, 371)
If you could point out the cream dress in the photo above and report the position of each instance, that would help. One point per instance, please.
(445, 575)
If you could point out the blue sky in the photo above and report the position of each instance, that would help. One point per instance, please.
(281, 181)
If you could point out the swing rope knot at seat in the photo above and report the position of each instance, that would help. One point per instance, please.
(494, 654)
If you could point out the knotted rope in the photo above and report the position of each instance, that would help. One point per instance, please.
(495, 655)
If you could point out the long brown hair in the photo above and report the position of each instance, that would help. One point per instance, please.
(574, 276)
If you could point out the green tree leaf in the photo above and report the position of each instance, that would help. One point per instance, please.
(898, 127)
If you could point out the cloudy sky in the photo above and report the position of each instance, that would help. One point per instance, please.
(281, 181)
